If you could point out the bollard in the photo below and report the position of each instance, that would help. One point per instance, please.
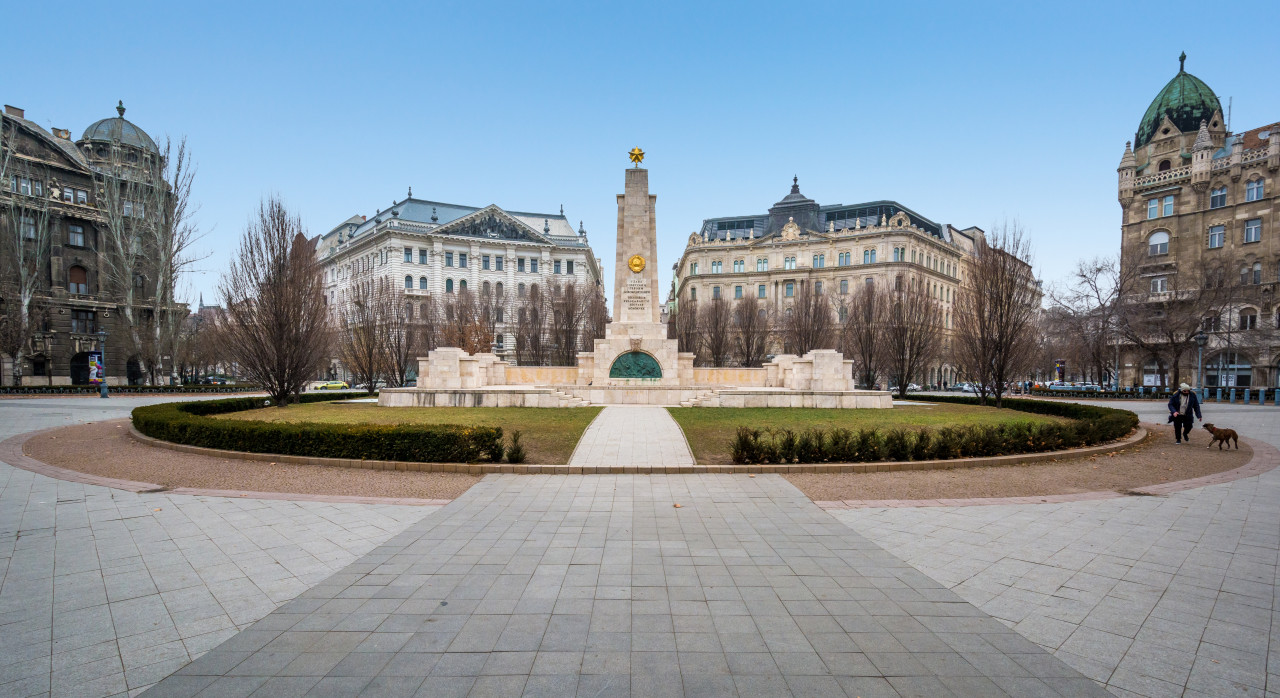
(1218, 397)
(1233, 396)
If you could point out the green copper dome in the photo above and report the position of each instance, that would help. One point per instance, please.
(1186, 100)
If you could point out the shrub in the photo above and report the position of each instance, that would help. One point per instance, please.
(515, 452)
(1088, 425)
(189, 423)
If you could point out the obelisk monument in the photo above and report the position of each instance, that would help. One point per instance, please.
(635, 350)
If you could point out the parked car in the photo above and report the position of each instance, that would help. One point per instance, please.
(333, 385)
(213, 380)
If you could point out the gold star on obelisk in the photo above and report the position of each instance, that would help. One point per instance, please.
(636, 155)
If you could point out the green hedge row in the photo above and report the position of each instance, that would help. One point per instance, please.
(124, 389)
(189, 423)
(1089, 425)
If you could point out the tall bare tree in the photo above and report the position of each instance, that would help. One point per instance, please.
(464, 327)
(861, 332)
(276, 322)
(597, 318)
(1086, 311)
(715, 323)
(682, 326)
(25, 243)
(912, 334)
(401, 338)
(362, 320)
(996, 312)
(569, 306)
(751, 336)
(807, 323)
(532, 347)
(430, 327)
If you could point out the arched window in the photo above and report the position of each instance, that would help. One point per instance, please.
(519, 290)
(1158, 243)
(423, 311)
(462, 285)
(1165, 165)
(1248, 319)
(422, 283)
(1253, 190)
(1228, 369)
(533, 289)
(408, 311)
(408, 281)
(1257, 272)
(77, 280)
(498, 289)
(485, 289)
(448, 285)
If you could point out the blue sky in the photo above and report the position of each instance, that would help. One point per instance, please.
(969, 114)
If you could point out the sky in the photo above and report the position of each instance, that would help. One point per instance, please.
(967, 113)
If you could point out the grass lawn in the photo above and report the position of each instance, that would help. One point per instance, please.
(548, 434)
(710, 430)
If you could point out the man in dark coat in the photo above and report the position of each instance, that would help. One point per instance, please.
(1182, 405)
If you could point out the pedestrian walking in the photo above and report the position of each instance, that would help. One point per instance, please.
(1182, 405)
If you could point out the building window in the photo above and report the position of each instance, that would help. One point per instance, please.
(715, 292)
(448, 259)
(498, 289)
(422, 256)
(77, 280)
(1218, 197)
(789, 263)
(1253, 230)
(83, 321)
(520, 264)
(533, 266)
(1217, 236)
(497, 263)
(462, 284)
(28, 226)
(1158, 244)
(737, 292)
(1251, 275)
(408, 255)
(717, 267)
(422, 283)
(1248, 319)
(519, 290)
(868, 256)
(739, 265)
(484, 261)
(790, 289)
(75, 235)
(1165, 165)
(408, 281)
(760, 291)
(462, 259)
(817, 287)
(1253, 190)
(82, 196)
(762, 264)
(68, 194)
(844, 287)
(1153, 208)
(693, 268)
(819, 261)
(555, 267)
(568, 267)
(1166, 206)
(1212, 323)
(448, 285)
(1159, 284)
(693, 294)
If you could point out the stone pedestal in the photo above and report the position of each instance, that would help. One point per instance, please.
(450, 368)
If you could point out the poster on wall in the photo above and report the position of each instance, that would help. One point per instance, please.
(96, 373)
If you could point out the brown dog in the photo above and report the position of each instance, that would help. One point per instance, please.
(1222, 436)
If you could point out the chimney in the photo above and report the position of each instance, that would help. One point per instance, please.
(63, 133)
(14, 111)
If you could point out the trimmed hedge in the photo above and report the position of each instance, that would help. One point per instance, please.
(1089, 425)
(189, 423)
(124, 389)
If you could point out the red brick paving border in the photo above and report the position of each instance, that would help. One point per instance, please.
(11, 452)
(1265, 457)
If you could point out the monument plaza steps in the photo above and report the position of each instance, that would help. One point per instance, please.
(634, 363)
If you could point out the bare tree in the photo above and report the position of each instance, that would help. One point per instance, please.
(1086, 312)
(751, 338)
(276, 322)
(25, 243)
(569, 307)
(401, 337)
(362, 320)
(912, 334)
(430, 327)
(806, 324)
(493, 312)
(861, 333)
(597, 318)
(125, 200)
(996, 312)
(464, 327)
(715, 323)
(532, 347)
(682, 326)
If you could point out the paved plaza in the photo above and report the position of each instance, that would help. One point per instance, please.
(600, 585)
(632, 435)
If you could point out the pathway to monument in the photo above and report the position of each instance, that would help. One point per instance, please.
(103, 592)
(632, 436)
(1153, 596)
(600, 586)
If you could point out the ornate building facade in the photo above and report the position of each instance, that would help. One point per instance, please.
(833, 247)
(1198, 208)
(54, 207)
(435, 248)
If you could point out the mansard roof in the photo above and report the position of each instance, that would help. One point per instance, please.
(841, 215)
(439, 218)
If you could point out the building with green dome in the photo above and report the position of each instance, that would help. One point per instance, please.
(1199, 245)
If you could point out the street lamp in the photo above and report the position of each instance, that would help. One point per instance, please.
(1201, 340)
(102, 367)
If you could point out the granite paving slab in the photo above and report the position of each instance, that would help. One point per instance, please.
(632, 436)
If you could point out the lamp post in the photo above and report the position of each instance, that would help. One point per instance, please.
(1201, 340)
(102, 349)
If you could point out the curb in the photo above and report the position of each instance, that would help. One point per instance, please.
(524, 469)
(11, 452)
(1265, 458)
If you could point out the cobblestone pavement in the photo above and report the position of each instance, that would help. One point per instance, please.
(632, 436)
(1153, 596)
(599, 585)
(104, 592)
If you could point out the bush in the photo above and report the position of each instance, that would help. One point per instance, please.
(189, 423)
(1088, 425)
(515, 452)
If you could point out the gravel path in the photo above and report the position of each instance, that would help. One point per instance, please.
(1156, 460)
(104, 448)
